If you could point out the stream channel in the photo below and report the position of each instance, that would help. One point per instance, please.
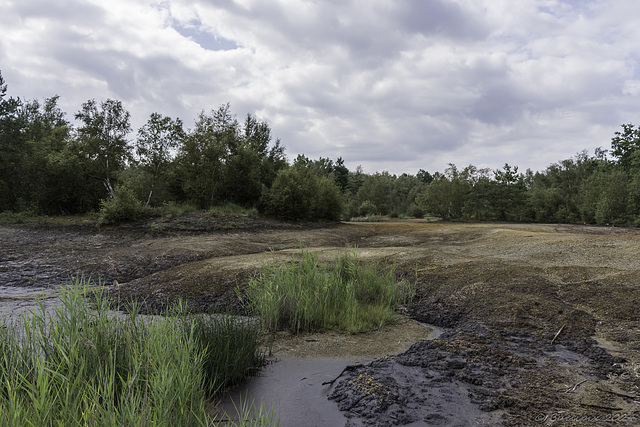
(298, 389)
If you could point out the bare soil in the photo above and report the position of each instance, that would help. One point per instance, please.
(540, 323)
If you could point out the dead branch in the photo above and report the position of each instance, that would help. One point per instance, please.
(349, 368)
(557, 333)
(568, 389)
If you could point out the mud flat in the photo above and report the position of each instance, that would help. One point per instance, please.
(541, 321)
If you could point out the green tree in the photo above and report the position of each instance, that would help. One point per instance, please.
(254, 162)
(55, 172)
(508, 196)
(341, 174)
(424, 176)
(13, 149)
(476, 203)
(157, 140)
(404, 190)
(299, 194)
(203, 154)
(377, 189)
(356, 179)
(611, 207)
(445, 196)
(624, 144)
(103, 137)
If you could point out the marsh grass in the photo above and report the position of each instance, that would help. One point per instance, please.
(233, 345)
(87, 366)
(254, 415)
(307, 295)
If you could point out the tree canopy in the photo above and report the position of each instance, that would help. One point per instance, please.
(48, 166)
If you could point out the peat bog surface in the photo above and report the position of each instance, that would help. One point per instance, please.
(540, 323)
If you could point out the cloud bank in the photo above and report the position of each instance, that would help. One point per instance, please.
(389, 85)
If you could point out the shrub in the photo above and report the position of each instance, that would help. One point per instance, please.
(415, 211)
(329, 202)
(13, 217)
(123, 207)
(368, 208)
(368, 218)
(175, 209)
(351, 210)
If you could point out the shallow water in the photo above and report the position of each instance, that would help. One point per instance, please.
(293, 388)
(18, 302)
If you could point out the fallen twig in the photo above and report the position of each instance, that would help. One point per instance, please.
(349, 368)
(557, 333)
(574, 387)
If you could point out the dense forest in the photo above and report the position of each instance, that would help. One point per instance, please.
(49, 166)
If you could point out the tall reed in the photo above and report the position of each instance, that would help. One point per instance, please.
(88, 366)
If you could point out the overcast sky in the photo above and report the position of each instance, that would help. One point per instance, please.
(395, 85)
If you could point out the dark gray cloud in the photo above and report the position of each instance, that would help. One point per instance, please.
(440, 18)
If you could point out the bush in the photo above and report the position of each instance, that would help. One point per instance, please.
(176, 209)
(329, 202)
(368, 218)
(123, 207)
(368, 208)
(415, 211)
(13, 217)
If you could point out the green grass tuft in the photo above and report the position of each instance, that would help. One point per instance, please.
(307, 295)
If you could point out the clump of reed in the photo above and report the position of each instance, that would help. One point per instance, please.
(306, 295)
(85, 365)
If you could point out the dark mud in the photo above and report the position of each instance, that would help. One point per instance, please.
(542, 325)
(471, 378)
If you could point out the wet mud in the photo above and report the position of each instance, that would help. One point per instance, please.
(539, 323)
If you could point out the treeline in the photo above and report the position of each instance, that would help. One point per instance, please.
(584, 189)
(49, 166)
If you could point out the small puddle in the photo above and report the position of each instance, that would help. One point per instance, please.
(291, 385)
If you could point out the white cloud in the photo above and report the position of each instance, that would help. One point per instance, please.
(392, 85)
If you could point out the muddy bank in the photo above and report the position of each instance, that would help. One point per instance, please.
(466, 378)
(302, 371)
(541, 321)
